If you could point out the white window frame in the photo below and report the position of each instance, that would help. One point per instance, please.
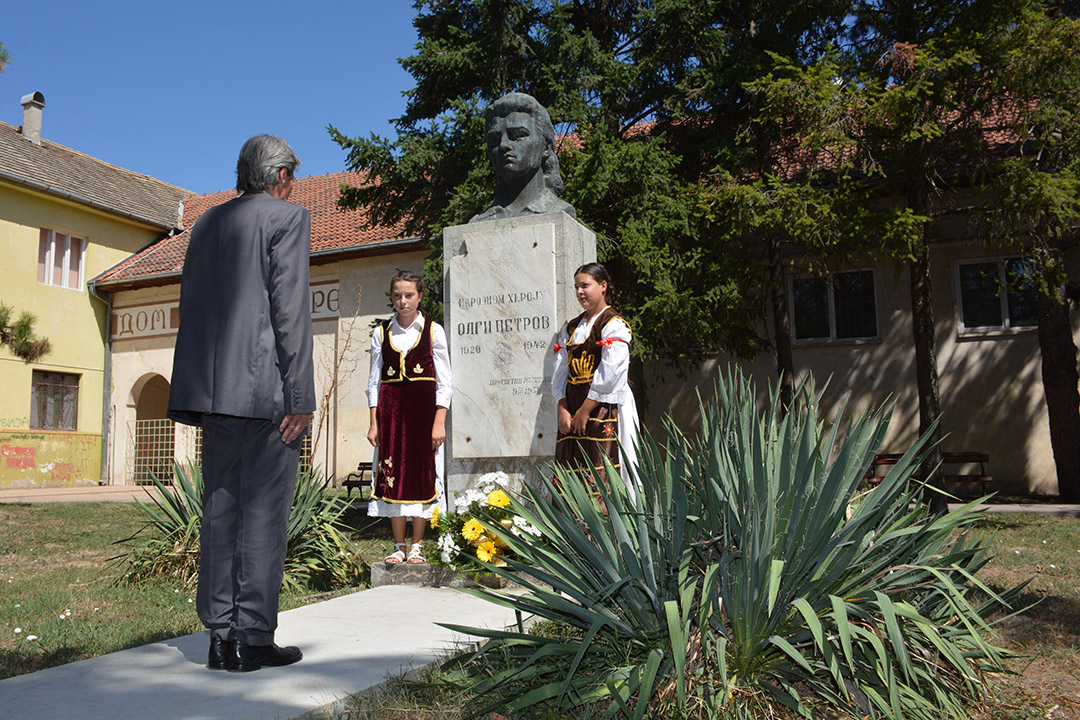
(50, 256)
(1003, 298)
(829, 279)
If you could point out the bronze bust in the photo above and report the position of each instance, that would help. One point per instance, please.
(521, 146)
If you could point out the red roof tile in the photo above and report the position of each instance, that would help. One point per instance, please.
(334, 233)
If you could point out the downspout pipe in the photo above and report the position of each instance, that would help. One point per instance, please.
(106, 405)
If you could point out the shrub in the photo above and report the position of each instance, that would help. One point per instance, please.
(319, 556)
(750, 578)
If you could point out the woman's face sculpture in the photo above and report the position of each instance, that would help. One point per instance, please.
(515, 145)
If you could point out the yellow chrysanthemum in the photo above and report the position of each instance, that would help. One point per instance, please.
(498, 498)
(472, 530)
(435, 516)
(486, 551)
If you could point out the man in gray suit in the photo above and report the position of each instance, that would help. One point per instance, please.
(243, 371)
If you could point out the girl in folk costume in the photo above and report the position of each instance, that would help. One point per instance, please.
(597, 412)
(408, 392)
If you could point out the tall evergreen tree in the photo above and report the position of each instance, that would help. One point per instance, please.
(649, 97)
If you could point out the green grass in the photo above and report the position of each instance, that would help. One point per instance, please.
(57, 585)
(54, 558)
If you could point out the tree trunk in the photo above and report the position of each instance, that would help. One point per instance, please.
(785, 364)
(1060, 380)
(926, 373)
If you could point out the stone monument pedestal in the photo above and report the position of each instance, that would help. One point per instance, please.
(508, 289)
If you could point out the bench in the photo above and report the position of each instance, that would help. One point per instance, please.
(877, 469)
(360, 479)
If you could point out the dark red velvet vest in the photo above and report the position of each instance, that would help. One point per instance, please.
(406, 465)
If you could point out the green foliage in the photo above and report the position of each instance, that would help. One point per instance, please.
(647, 98)
(5, 58)
(750, 578)
(19, 335)
(319, 556)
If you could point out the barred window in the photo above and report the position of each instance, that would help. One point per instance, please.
(839, 306)
(54, 401)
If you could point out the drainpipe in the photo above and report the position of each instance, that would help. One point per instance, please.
(106, 407)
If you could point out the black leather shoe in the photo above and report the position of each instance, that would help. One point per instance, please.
(218, 657)
(245, 658)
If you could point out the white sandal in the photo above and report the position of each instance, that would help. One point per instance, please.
(397, 556)
(416, 555)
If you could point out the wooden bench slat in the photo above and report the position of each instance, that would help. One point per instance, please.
(356, 479)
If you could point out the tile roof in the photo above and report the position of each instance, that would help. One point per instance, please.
(61, 171)
(335, 233)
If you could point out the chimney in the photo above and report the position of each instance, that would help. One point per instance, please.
(31, 126)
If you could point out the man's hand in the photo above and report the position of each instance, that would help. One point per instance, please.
(292, 426)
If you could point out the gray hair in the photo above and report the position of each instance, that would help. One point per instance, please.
(260, 159)
(520, 102)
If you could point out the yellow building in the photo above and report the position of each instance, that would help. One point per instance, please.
(65, 217)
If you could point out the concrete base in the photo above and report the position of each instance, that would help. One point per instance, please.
(427, 575)
(424, 575)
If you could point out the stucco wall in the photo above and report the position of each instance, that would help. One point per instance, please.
(72, 320)
(990, 385)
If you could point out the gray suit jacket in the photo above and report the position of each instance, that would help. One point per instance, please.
(244, 344)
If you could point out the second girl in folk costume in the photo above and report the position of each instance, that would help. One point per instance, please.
(597, 412)
(408, 392)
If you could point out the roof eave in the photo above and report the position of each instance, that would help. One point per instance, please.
(320, 257)
(86, 201)
(370, 249)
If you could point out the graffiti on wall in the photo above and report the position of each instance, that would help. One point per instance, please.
(49, 459)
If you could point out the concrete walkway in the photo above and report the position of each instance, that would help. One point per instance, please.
(81, 493)
(350, 644)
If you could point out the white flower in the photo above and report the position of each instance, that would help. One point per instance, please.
(31, 637)
(523, 525)
(448, 549)
(18, 630)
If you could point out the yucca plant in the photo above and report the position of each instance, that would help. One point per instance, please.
(750, 578)
(319, 555)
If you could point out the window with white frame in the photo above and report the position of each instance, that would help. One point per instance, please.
(54, 401)
(996, 294)
(838, 306)
(61, 259)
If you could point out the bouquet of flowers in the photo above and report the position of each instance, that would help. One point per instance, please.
(463, 539)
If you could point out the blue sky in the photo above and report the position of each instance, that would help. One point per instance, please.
(173, 89)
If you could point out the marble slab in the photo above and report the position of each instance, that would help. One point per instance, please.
(508, 288)
(504, 325)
